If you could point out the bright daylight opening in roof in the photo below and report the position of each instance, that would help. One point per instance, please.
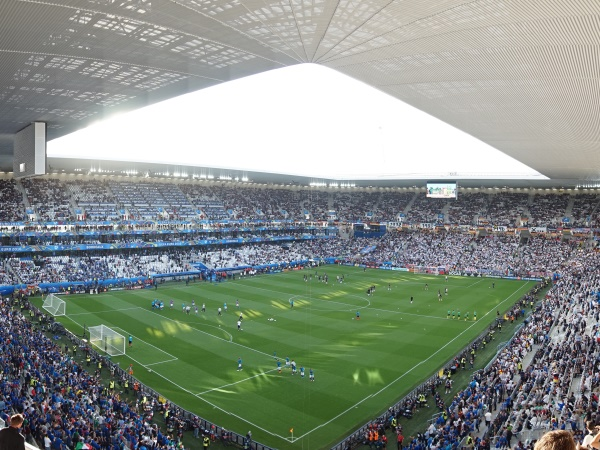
(304, 120)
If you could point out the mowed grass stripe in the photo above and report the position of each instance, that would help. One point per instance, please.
(361, 366)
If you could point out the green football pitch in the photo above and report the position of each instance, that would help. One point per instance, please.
(361, 367)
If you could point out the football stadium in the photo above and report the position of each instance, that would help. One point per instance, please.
(299, 225)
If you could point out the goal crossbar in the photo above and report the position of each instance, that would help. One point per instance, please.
(107, 340)
(54, 305)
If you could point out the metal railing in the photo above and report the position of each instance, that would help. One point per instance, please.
(121, 374)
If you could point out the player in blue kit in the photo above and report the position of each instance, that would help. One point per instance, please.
(302, 371)
(239, 364)
(311, 375)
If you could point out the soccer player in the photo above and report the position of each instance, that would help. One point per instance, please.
(446, 291)
(196, 310)
(291, 303)
(278, 366)
(183, 307)
(458, 314)
(466, 316)
(474, 315)
(239, 364)
(225, 307)
(219, 311)
(411, 299)
(203, 307)
(453, 314)
(239, 324)
(311, 375)
(426, 287)
(130, 340)
(237, 303)
(287, 361)
(171, 303)
(448, 316)
(302, 371)
(293, 367)
(357, 315)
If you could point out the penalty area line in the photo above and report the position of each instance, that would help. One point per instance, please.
(229, 413)
(404, 374)
(237, 382)
(147, 343)
(162, 362)
(107, 311)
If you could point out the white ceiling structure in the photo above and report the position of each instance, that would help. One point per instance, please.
(520, 75)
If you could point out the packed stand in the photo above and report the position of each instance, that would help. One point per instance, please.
(585, 210)
(467, 208)
(64, 405)
(462, 253)
(314, 204)
(279, 204)
(548, 210)
(95, 199)
(13, 208)
(353, 207)
(59, 269)
(49, 198)
(6, 276)
(392, 204)
(427, 210)
(557, 390)
(205, 199)
(506, 208)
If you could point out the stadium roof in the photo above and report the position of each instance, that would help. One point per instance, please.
(521, 76)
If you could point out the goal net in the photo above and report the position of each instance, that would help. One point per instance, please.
(107, 340)
(54, 305)
(426, 269)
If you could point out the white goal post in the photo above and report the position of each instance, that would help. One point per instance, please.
(107, 340)
(54, 305)
(433, 270)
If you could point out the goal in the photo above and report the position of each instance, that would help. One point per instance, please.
(54, 305)
(426, 269)
(107, 340)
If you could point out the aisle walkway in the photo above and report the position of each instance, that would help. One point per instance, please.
(526, 434)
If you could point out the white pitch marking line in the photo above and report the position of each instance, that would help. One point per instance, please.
(254, 425)
(237, 382)
(212, 335)
(146, 343)
(162, 362)
(107, 311)
(404, 374)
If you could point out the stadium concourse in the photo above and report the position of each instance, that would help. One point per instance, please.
(545, 378)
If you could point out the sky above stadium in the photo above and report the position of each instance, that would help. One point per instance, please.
(304, 120)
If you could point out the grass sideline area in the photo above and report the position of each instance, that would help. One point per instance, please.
(361, 366)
